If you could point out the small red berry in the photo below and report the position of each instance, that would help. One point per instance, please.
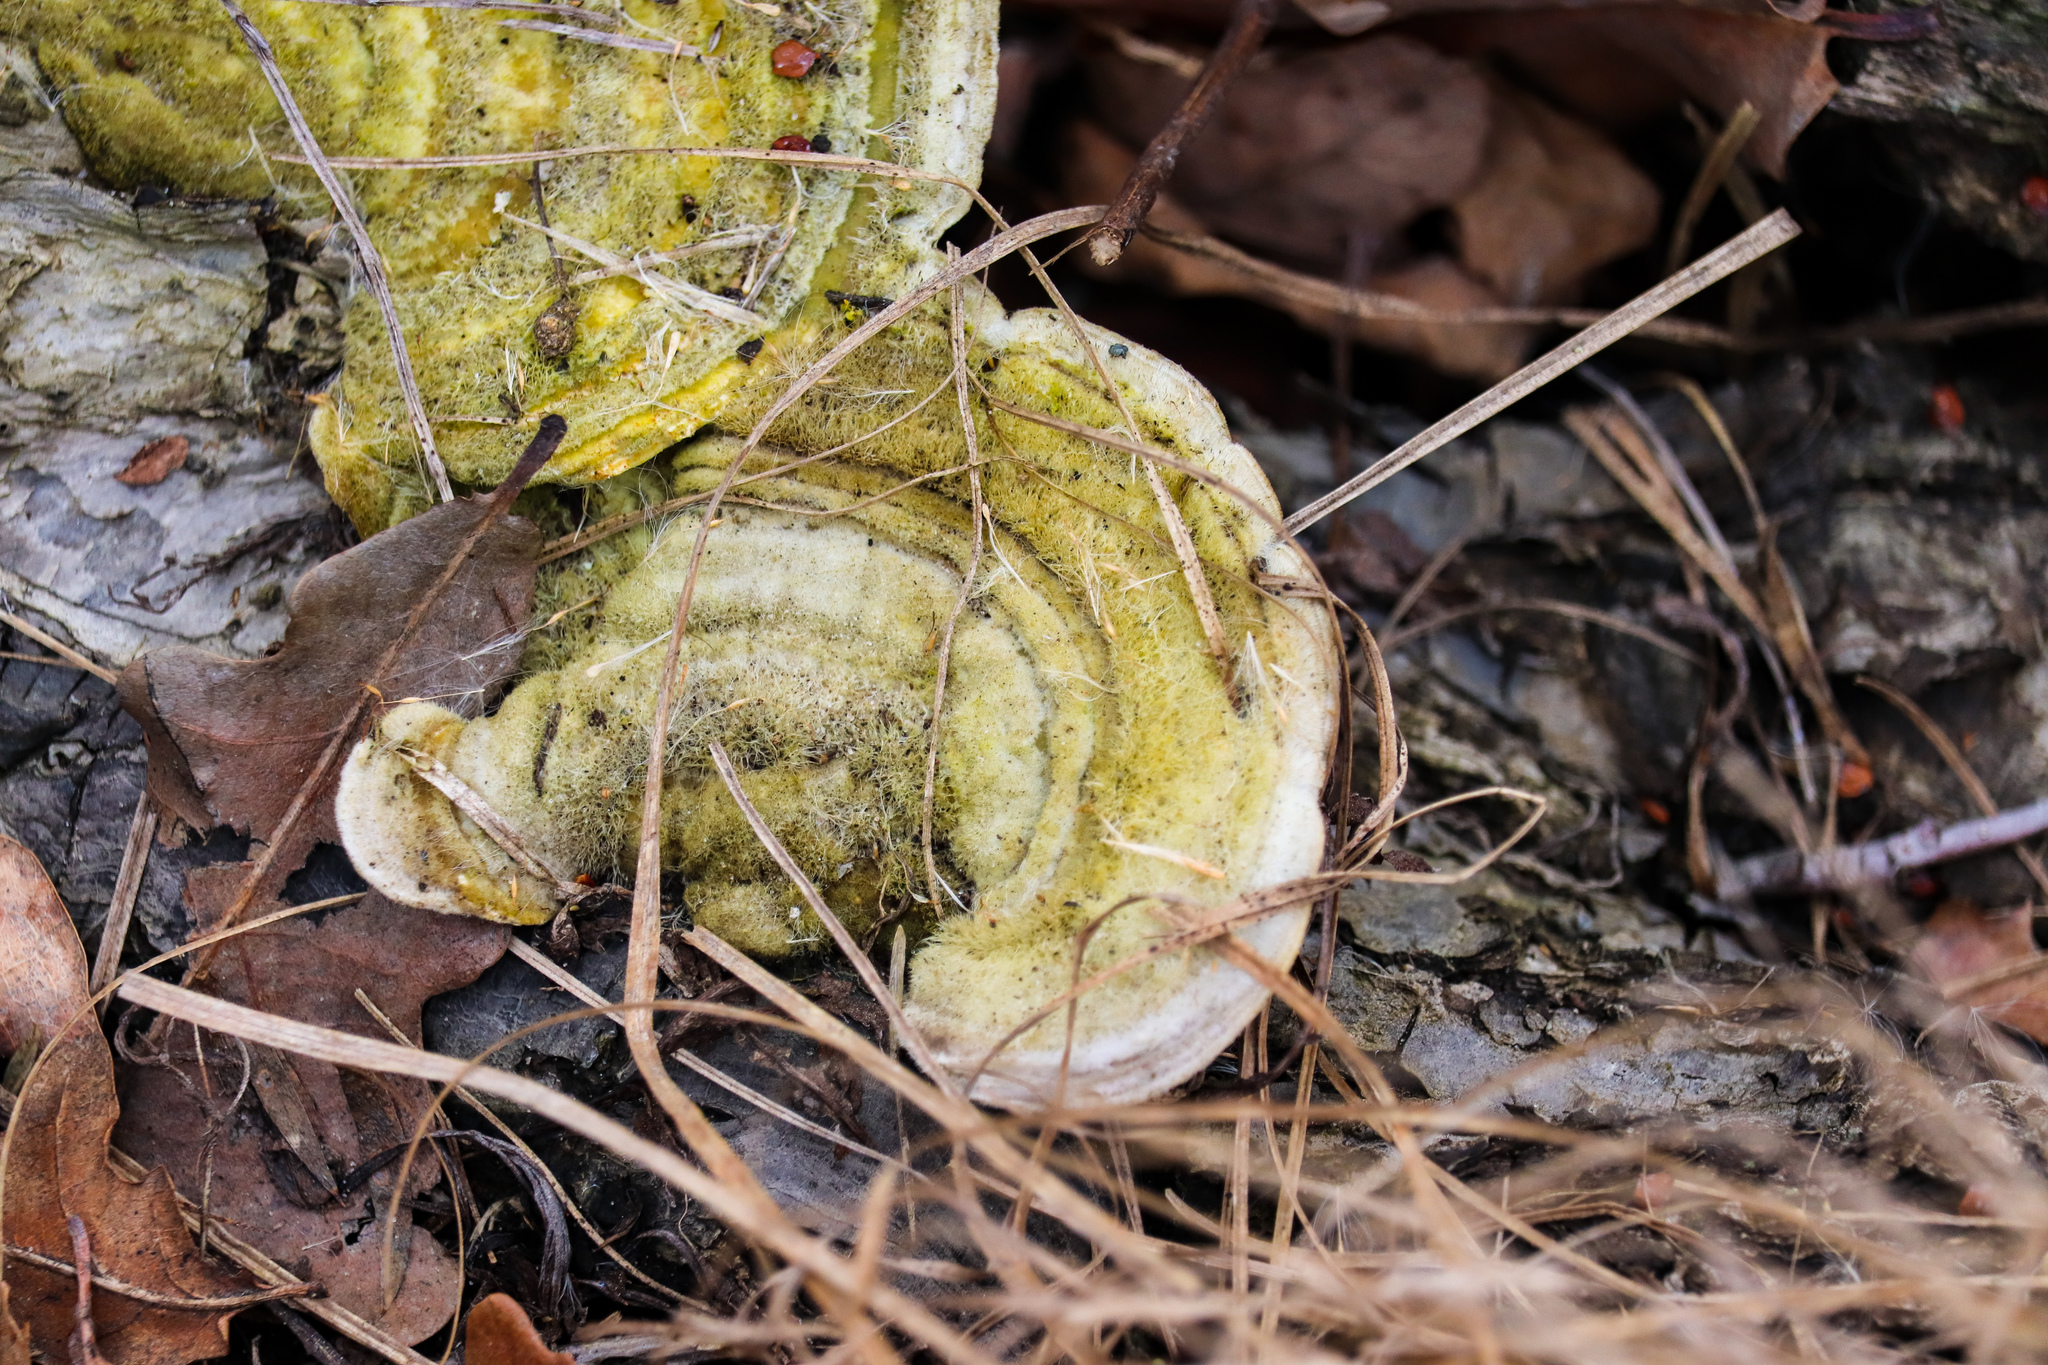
(1945, 408)
(1855, 780)
(2034, 195)
(792, 59)
(791, 142)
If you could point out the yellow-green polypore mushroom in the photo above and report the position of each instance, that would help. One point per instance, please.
(1141, 675)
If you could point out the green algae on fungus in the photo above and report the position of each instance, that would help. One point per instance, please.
(1091, 751)
(165, 92)
(1082, 717)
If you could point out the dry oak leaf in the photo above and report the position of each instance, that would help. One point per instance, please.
(1308, 149)
(499, 1333)
(155, 462)
(232, 740)
(55, 1162)
(280, 1190)
(1095, 165)
(1622, 64)
(1555, 201)
(1960, 941)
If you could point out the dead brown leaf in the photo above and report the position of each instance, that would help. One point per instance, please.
(499, 1333)
(56, 1164)
(1311, 148)
(1960, 942)
(1620, 64)
(1095, 167)
(231, 741)
(1555, 201)
(279, 1184)
(155, 462)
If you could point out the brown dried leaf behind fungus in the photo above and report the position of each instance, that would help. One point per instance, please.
(279, 1192)
(232, 740)
(56, 1163)
(1960, 942)
(498, 1332)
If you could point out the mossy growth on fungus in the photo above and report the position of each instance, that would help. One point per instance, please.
(1093, 756)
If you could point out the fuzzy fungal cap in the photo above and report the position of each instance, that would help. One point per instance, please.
(1095, 761)
(165, 92)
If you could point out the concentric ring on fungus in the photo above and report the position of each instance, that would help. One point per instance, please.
(1093, 752)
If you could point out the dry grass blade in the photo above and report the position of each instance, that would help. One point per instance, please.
(1713, 171)
(569, 982)
(1364, 304)
(908, 1037)
(367, 257)
(730, 1204)
(134, 858)
(509, 6)
(1766, 236)
(63, 651)
(963, 1121)
(1555, 606)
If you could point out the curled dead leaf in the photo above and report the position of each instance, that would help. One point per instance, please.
(498, 1332)
(156, 462)
(56, 1164)
(282, 1192)
(232, 740)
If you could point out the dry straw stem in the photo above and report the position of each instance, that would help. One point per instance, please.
(737, 1207)
(1957, 764)
(569, 982)
(102, 1280)
(63, 651)
(134, 858)
(1714, 168)
(1766, 236)
(367, 257)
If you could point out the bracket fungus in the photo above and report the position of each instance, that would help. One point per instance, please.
(1141, 675)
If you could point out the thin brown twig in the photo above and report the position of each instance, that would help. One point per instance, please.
(1724, 260)
(1365, 304)
(1788, 871)
(202, 1304)
(367, 256)
(1249, 20)
(1554, 606)
(1957, 763)
(64, 651)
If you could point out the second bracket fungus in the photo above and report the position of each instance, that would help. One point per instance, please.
(1141, 677)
